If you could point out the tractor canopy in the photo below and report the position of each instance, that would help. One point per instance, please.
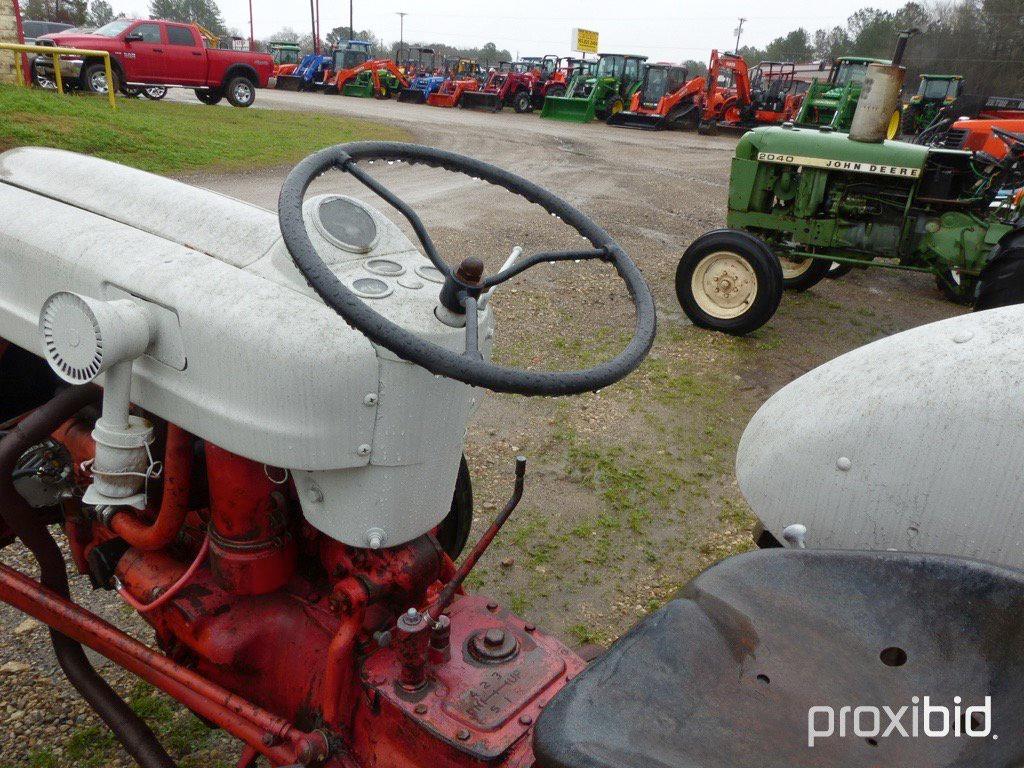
(660, 80)
(852, 69)
(354, 53)
(829, 149)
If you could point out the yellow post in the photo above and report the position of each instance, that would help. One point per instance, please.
(110, 82)
(56, 74)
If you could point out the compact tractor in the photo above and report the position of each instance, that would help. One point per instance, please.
(309, 75)
(426, 79)
(271, 477)
(772, 97)
(462, 78)
(935, 94)
(354, 73)
(601, 94)
(286, 57)
(801, 199)
(510, 84)
(832, 102)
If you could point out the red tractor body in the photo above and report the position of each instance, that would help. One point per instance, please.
(511, 84)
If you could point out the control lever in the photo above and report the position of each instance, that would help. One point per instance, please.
(447, 594)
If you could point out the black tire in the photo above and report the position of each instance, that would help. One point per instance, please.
(94, 79)
(799, 276)
(837, 270)
(522, 102)
(958, 289)
(453, 532)
(1002, 280)
(211, 96)
(240, 92)
(735, 249)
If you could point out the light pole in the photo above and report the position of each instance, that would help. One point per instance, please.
(739, 31)
(252, 37)
(351, 24)
(401, 33)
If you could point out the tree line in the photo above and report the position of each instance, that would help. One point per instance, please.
(982, 40)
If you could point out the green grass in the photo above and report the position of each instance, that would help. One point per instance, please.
(167, 138)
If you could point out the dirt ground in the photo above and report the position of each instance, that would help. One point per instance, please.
(630, 491)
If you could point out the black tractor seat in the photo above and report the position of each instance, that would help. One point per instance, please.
(725, 675)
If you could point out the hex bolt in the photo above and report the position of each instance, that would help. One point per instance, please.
(463, 735)
(843, 464)
(421, 709)
(376, 538)
(525, 719)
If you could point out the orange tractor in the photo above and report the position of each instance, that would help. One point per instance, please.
(464, 77)
(355, 74)
(772, 95)
(667, 100)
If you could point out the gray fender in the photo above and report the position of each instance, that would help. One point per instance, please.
(914, 442)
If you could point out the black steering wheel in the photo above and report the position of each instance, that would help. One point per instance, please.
(464, 286)
(1013, 141)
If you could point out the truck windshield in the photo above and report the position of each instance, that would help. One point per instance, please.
(114, 28)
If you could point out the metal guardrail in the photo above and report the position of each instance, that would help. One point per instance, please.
(56, 52)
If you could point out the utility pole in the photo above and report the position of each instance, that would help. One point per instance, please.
(739, 31)
(312, 23)
(401, 32)
(351, 24)
(252, 37)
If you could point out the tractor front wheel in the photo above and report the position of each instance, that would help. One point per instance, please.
(453, 532)
(729, 281)
(522, 102)
(1002, 280)
(799, 275)
(956, 287)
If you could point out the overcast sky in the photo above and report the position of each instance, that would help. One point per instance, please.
(670, 30)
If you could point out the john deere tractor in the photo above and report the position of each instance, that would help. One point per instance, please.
(934, 93)
(832, 102)
(600, 94)
(803, 198)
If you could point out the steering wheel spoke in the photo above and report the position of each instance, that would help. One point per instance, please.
(468, 366)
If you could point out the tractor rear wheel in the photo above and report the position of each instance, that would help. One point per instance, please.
(453, 532)
(799, 275)
(729, 281)
(1002, 280)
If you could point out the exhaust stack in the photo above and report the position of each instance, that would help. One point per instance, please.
(878, 106)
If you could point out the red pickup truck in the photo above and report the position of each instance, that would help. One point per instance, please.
(151, 53)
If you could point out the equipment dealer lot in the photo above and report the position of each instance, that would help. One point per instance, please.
(632, 489)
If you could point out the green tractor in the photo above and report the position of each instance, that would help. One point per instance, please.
(832, 102)
(934, 93)
(598, 93)
(801, 199)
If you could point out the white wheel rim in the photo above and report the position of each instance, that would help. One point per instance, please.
(243, 92)
(792, 269)
(724, 285)
(99, 82)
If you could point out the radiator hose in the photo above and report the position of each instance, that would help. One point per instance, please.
(130, 730)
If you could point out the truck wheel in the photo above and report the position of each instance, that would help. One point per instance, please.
(1002, 280)
(453, 532)
(94, 78)
(522, 102)
(729, 281)
(240, 92)
(211, 96)
(155, 93)
(803, 274)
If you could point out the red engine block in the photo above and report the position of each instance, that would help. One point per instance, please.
(306, 633)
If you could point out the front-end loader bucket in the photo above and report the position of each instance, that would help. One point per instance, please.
(448, 100)
(288, 83)
(359, 90)
(570, 109)
(648, 121)
(481, 100)
(412, 96)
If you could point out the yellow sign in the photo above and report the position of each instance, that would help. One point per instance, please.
(584, 41)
